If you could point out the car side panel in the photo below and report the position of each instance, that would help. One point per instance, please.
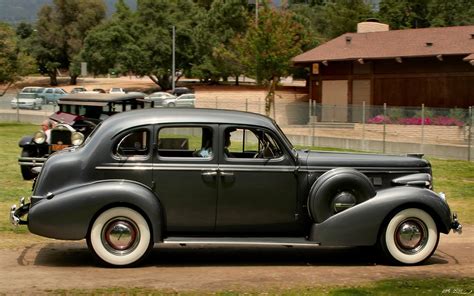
(360, 225)
(76, 208)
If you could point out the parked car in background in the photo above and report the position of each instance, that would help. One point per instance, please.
(32, 89)
(159, 97)
(186, 100)
(51, 95)
(78, 115)
(78, 89)
(116, 90)
(138, 180)
(99, 90)
(181, 90)
(26, 101)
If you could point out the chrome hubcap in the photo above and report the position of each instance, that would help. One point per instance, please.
(120, 236)
(411, 236)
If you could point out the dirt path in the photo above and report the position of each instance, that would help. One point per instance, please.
(42, 265)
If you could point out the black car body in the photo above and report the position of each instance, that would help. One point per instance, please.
(213, 176)
(78, 115)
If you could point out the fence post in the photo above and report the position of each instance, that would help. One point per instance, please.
(384, 125)
(422, 127)
(469, 136)
(363, 125)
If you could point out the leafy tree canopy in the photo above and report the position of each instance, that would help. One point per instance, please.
(14, 63)
(62, 28)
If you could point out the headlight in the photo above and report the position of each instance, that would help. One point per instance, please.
(39, 137)
(77, 138)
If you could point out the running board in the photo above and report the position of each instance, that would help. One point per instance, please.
(254, 241)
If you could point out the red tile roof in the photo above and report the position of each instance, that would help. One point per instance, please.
(392, 44)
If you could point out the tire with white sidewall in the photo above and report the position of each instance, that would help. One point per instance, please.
(105, 237)
(410, 237)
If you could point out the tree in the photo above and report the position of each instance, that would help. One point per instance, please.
(62, 28)
(111, 46)
(450, 13)
(265, 51)
(342, 16)
(402, 14)
(141, 41)
(219, 25)
(14, 62)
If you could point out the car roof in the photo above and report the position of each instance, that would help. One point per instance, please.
(99, 97)
(133, 118)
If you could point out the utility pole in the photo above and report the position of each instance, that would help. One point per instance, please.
(173, 68)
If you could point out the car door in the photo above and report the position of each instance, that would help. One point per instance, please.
(185, 101)
(184, 180)
(49, 95)
(257, 188)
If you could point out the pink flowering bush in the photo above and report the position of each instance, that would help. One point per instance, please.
(379, 119)
(439, 120)
(414, 121)
(444, 120)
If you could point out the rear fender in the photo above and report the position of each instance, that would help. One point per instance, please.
(68, 215)
(360, 225)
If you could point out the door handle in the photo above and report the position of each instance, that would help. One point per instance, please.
(227, 174)
(209, 173)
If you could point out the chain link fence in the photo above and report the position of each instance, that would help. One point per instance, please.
(438, 132)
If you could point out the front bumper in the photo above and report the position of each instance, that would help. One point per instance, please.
(16, 213)
(31, 161)
(455, 225)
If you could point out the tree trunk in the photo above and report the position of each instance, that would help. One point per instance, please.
(5, 90)
(270, 97)
(73, 80)
(237, 80)
(53, 80)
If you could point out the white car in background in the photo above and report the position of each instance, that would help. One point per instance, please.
(26, 101)
(159, 97)
(116, 90)
(186, 100)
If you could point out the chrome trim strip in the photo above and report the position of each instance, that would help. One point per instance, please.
(126, 168)
(196, 167)
(237, 242)
(364, 170)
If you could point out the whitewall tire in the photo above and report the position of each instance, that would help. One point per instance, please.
(120, 236)
(410, 237)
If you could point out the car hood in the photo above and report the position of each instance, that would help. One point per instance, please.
(360, 160)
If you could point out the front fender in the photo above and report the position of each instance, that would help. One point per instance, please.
(360, 225)
(69, 214)
(25, 141)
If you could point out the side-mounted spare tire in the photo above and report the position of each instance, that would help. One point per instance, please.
(337, 190)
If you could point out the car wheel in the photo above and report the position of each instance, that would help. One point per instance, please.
(171, 105)
(26, 169)
(410, 237)
(120, 237)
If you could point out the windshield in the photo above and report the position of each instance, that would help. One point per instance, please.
(91, 134)
(285, 139)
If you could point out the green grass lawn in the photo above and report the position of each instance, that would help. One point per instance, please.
(455, 178)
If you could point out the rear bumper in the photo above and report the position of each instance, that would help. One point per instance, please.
(16, 213)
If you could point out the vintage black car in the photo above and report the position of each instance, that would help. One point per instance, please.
(201, 176)
(78, 115)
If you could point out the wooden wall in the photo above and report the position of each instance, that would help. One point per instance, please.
(444, 83)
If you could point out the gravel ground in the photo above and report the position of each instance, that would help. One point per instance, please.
(30, 264)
